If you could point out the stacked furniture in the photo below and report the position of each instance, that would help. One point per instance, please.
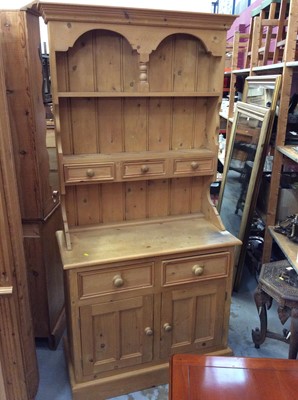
(276, 53)
(268, 31)
(39, 200)
(285, 23)
(147, 261)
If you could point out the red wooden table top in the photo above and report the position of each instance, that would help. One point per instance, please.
(200, 377)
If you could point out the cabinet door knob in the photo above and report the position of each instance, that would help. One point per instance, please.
(118, 281)
(167, 327)
(198, 270)
(194, 165)
(90, 173)
(144, 169)
(148, 331)
(55, 196)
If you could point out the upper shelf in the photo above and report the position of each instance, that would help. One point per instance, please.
(289, 151)
(270, 67)
(138, 94)
(289, 248)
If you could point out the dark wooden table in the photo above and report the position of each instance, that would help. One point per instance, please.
(276, 282)
(201, 377)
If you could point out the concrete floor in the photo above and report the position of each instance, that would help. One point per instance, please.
(54, 384)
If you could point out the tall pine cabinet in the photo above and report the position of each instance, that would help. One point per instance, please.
(147, 261)
(39, 201)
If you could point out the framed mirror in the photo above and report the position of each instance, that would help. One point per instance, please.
(262, 91)
(242, 166)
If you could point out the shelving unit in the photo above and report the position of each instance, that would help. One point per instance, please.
(289, 64)
(288, 248)
(147, 262)
(258, 62)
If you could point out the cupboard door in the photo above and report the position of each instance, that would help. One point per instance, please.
(116, 334)
(192, 318)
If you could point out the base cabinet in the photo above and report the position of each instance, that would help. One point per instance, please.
(131, 316)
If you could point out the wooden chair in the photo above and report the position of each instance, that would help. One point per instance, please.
(255, 14)
(274, 21)
(267, 33)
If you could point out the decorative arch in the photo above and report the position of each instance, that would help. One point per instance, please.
(143, 41)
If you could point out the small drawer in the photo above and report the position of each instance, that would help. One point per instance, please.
(143, 169)
(191, 269)
(193, 166)
(111, 280)
(89, 172)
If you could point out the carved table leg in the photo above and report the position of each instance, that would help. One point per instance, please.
(293, 349)
(263, 301)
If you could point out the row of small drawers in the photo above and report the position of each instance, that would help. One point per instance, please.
(126, 170)
(97, 282)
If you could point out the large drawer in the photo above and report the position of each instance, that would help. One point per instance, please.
(115, 279)
(98, 172)
(189, 269)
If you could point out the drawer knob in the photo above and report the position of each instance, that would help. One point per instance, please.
(118, 281)
(194, 165)
(167, 327)
(90, 173)
(144, 169)
(198, 270)
(148, 331)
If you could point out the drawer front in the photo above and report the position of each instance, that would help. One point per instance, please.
(113, 280)
(189, 269)
(193, 166)
(89, 173)
(143, 169)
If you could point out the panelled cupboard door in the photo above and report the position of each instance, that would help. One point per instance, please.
(192, 318)
(117, 334)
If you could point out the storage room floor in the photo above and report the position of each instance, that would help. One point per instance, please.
(54, 383)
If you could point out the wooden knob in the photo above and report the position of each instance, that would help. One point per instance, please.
(148, 331)
(144, 168)
(194, 165)
(90, 173)
(198, 270)
(118, 281)
(167, 327)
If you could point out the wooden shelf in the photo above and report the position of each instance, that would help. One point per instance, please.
(96, 245)
(293, 64)
(289, 151)
(268, 67)
(241, 71)
(225, 116)
(278, 66)
(138, 94)
(138, 155)
(289, 248)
